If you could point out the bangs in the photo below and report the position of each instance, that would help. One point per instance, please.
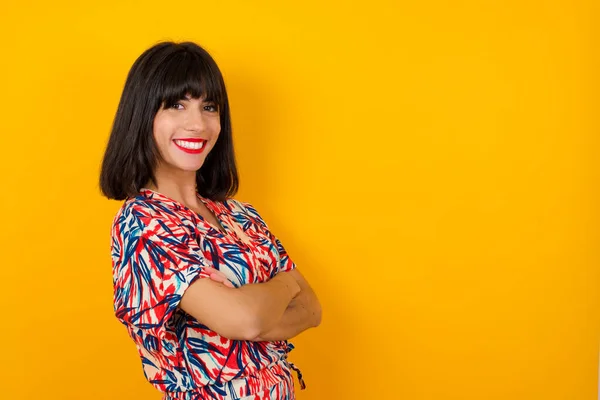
(187, 73)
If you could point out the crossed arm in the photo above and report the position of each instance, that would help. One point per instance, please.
(275, 310)
(302, 312)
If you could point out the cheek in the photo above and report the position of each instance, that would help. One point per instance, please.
(216, 128)
(162, 129)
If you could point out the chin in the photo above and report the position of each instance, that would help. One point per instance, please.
(192, 167)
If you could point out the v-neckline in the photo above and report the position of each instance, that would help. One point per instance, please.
(229, 229)
(213, 209)
(209, 204)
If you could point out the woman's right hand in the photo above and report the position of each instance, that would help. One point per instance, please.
(218, 276)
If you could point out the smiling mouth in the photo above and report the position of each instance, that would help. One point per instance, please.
(194, 146)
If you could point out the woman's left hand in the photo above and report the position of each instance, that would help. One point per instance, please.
(218, 276)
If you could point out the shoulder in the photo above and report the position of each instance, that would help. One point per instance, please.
(143, 216)
(135, 212)
(244, 209)
(235, 205)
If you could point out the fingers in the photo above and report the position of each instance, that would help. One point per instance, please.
(222, 280)
(228, 284)
(214, 272)
(218, 276)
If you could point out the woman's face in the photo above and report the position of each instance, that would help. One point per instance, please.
(185, 133)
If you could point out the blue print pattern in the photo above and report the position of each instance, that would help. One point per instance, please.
(159, 248)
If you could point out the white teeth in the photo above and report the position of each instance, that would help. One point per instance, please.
(190, 145)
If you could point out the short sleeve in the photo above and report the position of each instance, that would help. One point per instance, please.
(153, 266)
(285, 262)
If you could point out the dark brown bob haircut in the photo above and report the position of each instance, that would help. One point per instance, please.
(163, 75)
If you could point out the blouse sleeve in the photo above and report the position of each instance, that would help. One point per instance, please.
(153, 266)
(285, 262)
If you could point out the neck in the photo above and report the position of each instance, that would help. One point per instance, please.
(180, 186)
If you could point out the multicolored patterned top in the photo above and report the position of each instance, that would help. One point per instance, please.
(160, 247)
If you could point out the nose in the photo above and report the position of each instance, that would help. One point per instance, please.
(195, 121)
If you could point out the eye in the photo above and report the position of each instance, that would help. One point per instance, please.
(177, 106)
(211, 108)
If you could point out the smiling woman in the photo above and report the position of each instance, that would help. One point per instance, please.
(178, 127)
(206, 291)
(173, 91)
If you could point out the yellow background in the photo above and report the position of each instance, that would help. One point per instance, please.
(431, 167)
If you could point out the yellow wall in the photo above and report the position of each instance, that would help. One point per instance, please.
(431, 166)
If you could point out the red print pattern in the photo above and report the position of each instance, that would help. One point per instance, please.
(160, 247)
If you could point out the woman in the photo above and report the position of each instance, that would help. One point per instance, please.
(206, 291)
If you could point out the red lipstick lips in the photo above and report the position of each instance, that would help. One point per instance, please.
(190, 145)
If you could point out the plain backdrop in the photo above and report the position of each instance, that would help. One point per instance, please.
(431, 166)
